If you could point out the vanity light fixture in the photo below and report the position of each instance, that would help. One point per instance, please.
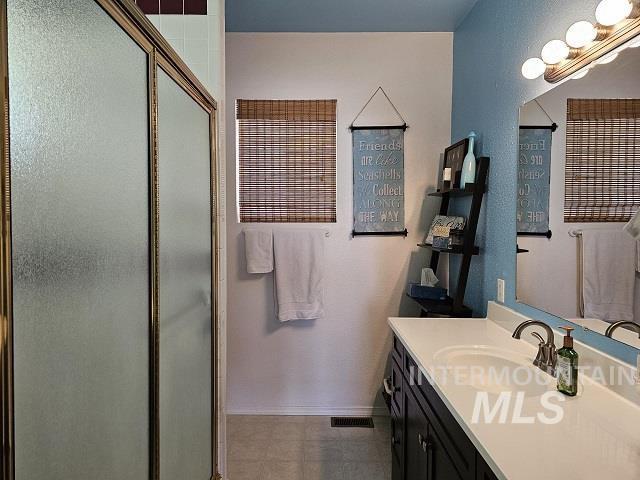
(618, 23)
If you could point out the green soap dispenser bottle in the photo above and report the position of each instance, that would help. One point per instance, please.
(567, 366)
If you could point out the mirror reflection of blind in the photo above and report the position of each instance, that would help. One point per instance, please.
(602, 169)
(286, 160)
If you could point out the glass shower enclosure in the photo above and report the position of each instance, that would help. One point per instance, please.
(107, 248)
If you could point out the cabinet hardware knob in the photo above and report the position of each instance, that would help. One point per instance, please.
(388, 388)
(393, 440)
(425, 444)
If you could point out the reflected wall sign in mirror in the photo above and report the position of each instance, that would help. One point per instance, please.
(583, 180)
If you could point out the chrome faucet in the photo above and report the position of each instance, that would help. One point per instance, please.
(631, 325)
(547, 357)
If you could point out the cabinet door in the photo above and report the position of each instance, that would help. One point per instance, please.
(396, 469)
(440, 465)
(397, 443)
(416, 434)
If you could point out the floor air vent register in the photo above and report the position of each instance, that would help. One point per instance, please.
(352, 422)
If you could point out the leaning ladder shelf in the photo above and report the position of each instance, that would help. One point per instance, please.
(454, 306)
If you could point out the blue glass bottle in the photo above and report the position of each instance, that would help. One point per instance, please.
(468, 174)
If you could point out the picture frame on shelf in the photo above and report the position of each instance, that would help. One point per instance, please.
(455, 223)
(452, 164)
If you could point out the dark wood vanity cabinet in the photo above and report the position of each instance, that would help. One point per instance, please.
(427, 442)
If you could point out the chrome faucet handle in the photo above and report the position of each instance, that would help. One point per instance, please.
(550, 359)
(539, 338)
(539, 360)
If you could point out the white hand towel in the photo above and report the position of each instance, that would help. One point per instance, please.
(609, 275)
(299, 274)
(259, 250)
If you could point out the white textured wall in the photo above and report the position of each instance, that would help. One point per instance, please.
(334, 364)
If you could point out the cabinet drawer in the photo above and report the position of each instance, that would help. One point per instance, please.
(456, 443)
(397, 350)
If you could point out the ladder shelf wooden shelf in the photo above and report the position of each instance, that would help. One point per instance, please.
(453, 306)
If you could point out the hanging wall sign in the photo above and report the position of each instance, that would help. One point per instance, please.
(378, 181)
(378, 175)
(534, 167)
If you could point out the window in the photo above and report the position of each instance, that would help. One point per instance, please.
(286, 160)
(602, 170)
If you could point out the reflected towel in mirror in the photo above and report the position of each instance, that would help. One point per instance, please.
(608, 274)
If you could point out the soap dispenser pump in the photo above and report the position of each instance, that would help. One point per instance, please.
(567, 367)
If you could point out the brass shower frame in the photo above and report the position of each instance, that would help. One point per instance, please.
(159, 55)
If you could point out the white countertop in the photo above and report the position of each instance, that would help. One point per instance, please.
(597, 438)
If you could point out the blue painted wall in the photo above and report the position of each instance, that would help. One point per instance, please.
(345, 15)
(488, 89)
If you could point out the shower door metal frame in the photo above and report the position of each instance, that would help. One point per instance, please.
(159, 55)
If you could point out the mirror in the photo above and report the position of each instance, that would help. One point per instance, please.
(578, 185)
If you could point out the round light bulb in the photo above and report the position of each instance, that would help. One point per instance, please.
(634, 43)
(581, 34)
(610, 12)
(608, 58)
(554, 52)
(533, 68)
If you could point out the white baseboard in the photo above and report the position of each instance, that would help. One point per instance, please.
(311, 411)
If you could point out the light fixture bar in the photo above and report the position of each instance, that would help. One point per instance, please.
(599, 49)
(618, 23)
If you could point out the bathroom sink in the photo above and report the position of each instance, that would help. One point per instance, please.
(493, 370)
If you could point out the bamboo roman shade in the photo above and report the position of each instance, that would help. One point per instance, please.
(287, 160)
(602, 170)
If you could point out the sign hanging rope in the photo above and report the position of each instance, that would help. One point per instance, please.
(404, 125)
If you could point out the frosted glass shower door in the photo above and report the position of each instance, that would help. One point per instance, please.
(184, 173)
(79, 198)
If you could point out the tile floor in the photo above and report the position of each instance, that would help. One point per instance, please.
(306, 448)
